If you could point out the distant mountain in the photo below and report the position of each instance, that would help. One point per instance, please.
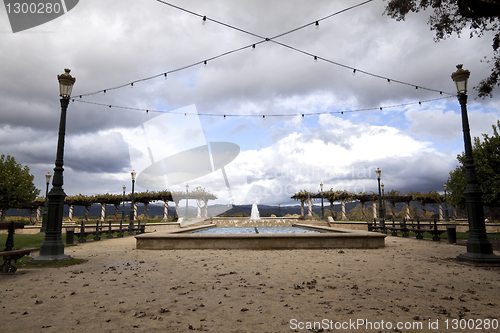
(214, 210)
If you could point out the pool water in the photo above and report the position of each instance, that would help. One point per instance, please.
(254, 230)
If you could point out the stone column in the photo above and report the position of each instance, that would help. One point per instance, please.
(103, 212)
(32, 216)
(440, 207)
(374, 209)
(424, 210)
(177, 208)
(165, 210)
(309, 208)
(135, 210)
(146, 216)
(453, 212)
(344, 216)
(393, 209)
(206, 209)
(363, 210)
(117, 206)
(332, 210)
(38, 213)
(87, 208)
(301, 208)
(407, 210)
(198, 201)
(70, 214)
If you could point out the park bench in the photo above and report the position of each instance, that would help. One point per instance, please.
(100, 229)
(432, 229)
(9, 254)
(374, 226)
(402, 227)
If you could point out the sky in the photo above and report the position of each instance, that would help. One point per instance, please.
(342, 139)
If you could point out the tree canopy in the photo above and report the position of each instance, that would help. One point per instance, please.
(486, 155)
(452, 16)
(16, 185)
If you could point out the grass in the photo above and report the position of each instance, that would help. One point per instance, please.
(36, 240)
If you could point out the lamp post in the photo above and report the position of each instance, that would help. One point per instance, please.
(132, 206)
(380, 207)
(187, 196)
(45, 207)
(52, 248)
(322, 207)
(479, 249)
(446, 216)
(279, 209)
(120, 234)
(383, 201)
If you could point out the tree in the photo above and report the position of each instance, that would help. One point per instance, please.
(487, 160)
(16, 185)
(452, 16)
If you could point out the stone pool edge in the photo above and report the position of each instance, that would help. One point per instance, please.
(333, 238)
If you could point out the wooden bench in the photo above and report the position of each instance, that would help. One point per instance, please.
(432, 229)
(100, 229)
(9, 254)
(402, 227)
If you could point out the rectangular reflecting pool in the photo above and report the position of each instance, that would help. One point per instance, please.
(256, 230)
(323, 238)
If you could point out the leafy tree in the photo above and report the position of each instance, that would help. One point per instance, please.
(487, 160)
(452, 16)
(16, 185)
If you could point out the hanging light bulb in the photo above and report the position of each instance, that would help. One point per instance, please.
(205, 64)
(104, 91)
(253, 47)
(315, 59)
(389, 81)
(165, 74)
(354, 72)
(132, 85)
(204, 20)
(317, 25)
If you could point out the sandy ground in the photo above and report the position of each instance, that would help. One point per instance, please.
(409, 283)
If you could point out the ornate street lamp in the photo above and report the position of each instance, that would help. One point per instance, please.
(380, 207)
(52, 248)
(45, 207)
(322, 207)
(132, 206)
(120, 233)
(479, 249)
(187, 196)
(446, 216)
(383, 201)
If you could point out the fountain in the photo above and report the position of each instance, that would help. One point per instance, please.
(255, 212)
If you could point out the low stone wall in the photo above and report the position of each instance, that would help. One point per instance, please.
(332, 239)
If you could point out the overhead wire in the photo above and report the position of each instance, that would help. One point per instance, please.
(302, 114)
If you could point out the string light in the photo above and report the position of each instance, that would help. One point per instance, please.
(204, 18)
(253, 47)
(317, 25)
(269, 115)
(205, 63)
(315, 59)
(389, 81)
(132, 85)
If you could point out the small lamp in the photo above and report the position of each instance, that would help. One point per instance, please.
(461, 78)
(66, 82)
